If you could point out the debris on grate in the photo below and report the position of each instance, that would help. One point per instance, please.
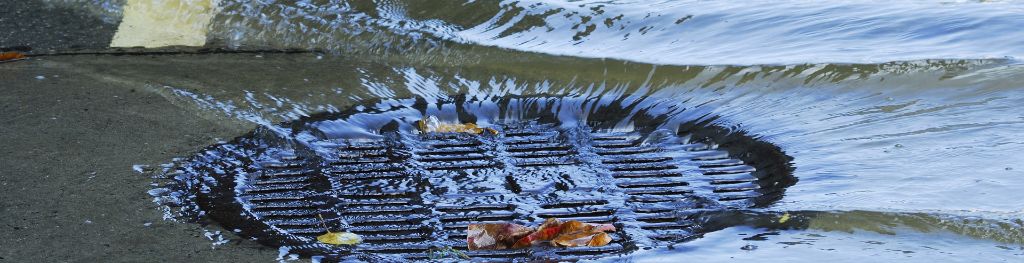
(410, 185)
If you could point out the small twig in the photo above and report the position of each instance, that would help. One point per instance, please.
(323, 222)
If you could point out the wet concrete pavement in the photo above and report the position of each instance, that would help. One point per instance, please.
(73, 127)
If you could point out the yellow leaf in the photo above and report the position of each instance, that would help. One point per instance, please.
(341, 238)
(784, 218)
(432, 124)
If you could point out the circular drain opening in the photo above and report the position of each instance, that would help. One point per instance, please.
(370, 171)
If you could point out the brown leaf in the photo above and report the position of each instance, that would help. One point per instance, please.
(432, 124)
(547, 231)
(576, 233)
(11, 56)
(494, 236)
(568, 234)
(600, 239)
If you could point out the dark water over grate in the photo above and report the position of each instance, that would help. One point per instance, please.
(661, 180)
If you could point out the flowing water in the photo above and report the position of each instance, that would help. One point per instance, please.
(903, 119)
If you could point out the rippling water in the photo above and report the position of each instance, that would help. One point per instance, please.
(660, 32)
(913, 153)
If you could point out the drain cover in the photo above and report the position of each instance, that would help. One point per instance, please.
(371, 172)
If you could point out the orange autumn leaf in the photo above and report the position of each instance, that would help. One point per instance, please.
(547, 231)
(569, 234)
(11, 56)
(600, 239)
(574, 226)
(576, 233)
(579, 239)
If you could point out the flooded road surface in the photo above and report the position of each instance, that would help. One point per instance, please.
(913, 154)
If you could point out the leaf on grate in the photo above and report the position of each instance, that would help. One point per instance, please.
(547, 231)
(432, 124)
(784, 218)
(494, 236)
(568, 234)
(340, 238)
(577, 234)
(11, 56)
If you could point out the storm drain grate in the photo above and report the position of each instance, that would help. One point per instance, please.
(407, 192)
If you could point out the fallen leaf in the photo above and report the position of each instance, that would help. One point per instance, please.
(340, 238)
(600, 239)
(579, 239)
(547, 231)
(784, 218)
(576, 233)
(11, 56)
(494, 236)
(568, 234)
(432, 124)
